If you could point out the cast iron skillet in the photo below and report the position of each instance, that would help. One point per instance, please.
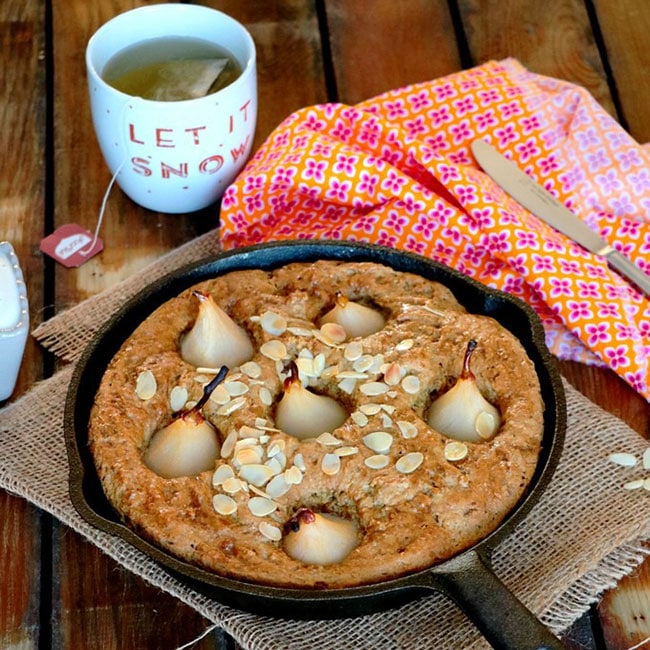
(466, 578)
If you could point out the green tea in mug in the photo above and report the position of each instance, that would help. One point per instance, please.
(171, 68)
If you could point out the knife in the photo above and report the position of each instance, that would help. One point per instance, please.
(546, 207)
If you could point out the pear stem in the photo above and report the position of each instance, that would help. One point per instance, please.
(294, 374)
(209, 388)
(303, 515)
(341, 300)
(467, 373)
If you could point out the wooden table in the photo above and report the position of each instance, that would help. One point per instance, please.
(56, 590)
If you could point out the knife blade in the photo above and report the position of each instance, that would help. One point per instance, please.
(546, 207)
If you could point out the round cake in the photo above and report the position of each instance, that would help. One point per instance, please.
(319, 425)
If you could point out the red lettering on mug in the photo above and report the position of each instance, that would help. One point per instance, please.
(244, 109)
(132, 135)
(164, 142)
(141, 166)
(240, 150)
(167, 170)
(194, 131)
(211, 165)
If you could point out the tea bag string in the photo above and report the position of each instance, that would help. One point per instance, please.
(102, 209)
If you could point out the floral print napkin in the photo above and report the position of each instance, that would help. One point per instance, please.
(397, 170)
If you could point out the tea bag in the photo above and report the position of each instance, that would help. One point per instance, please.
(183, 79)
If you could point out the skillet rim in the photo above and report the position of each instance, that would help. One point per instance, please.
(252, 596)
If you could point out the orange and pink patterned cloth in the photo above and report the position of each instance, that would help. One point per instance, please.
(397, 170)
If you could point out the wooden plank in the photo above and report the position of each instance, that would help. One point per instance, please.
(625, 26)
(22, 197)
(625, 612)
(102, 605)
(552, 38)
(378, 45)
(20, 571)
(96, 603)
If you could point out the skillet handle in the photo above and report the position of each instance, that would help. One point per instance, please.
(502, 619)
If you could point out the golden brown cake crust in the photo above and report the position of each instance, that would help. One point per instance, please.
(407, 521)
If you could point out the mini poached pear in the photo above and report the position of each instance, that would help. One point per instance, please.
(188, 445)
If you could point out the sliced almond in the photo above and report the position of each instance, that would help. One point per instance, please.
(275, 465)
(276, 447)
(373, 388)
(277, 486)
(221, 474)
(272, 323)
(408, 463)
(359, 418)
(270, 531)
(293, 476)
(256, 474)
(455, 450)
(646, 458)
(259, 492)
(265, 396)
(370, 409)
(248, 456)
(634, 485)
(485, 424)
(328, 440)
(386, 421)
(346, 451)
(378, 441)
(261, 506)
(251, 369)
(250, 432)
(393, 374)
(331, 464)
(334, 332)
(231, 407)
(177, 398)
(623, 458)
(146, 385)
(353, 350)
(319, 364)
(363, 363)
(404, 345)
(300, 331)
(411, 384)
(378, 461)
(235, 388)
(232, 485)
(229, 444)
(220, 395)
(347, 385)
(407, 429)
(351, 374)
(299, 462)
(305, 367)
(274, 350)
(223, 504)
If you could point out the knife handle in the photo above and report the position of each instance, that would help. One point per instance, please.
(630, 270)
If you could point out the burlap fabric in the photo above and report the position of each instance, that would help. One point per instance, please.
(584, 534)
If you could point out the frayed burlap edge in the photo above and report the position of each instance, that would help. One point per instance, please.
(82, 321)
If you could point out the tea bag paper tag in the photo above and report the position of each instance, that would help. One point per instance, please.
(186, 79)
(71, 245)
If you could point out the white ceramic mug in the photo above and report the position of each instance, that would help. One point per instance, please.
(173, 156)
